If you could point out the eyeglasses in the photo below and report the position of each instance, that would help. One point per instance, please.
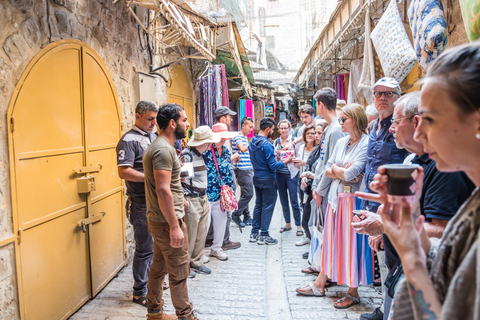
(388, 94)
(342, 119)
(397, 121)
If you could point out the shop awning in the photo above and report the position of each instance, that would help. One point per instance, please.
(183, 26)
(232, 53)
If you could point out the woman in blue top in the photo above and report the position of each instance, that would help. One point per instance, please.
(217, 178)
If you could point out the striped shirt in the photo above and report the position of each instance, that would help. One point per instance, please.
(244, 163)
(199, 180)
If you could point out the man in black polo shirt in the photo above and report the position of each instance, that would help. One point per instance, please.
(130, 151)
(442, 193)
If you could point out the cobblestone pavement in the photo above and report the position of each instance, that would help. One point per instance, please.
(257, 282)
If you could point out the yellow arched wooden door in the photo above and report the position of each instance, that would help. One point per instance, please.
(67, 199)
(181, 92)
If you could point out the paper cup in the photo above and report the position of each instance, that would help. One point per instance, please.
(401, 183)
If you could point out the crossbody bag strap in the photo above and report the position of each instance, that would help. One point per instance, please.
(216, 164)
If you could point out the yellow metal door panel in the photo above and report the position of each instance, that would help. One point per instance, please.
(102, 132)
(51, 119)
(64, 116)
(108, 257)
(47, 187)
(102, 119)
(54, 269)
(181, 92)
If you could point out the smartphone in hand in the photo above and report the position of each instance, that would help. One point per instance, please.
(358, 214)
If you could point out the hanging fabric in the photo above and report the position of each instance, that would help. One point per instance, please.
(213, 93)
(340, 85)
(471, 18)
(393, 45)
(367, 77)
(249, 113)
(429, 30)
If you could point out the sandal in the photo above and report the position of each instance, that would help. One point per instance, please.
(285, 229)
(142, 300)
(355, 301)
(310, 291)
(299, 233)
(329, 283)
(310, 270)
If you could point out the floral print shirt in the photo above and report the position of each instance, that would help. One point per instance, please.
(224, 166)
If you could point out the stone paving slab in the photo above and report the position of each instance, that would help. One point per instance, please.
(255, 283)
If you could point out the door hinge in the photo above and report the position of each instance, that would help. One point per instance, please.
(12, 124)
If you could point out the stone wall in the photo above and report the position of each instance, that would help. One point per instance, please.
(27, 27)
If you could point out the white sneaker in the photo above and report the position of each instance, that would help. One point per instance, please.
(302, 242)
(206, 259)
(219, 254)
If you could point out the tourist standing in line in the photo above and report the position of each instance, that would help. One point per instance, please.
(287, 180)
(244, 173)
(346, 255)
(217, 160)
(165, 213)
(130, 151)
(197, 207)
(262, 155)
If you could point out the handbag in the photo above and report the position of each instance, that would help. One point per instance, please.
(393, 278)
(228, 200)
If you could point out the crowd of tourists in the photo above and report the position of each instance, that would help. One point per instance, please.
(329, 174)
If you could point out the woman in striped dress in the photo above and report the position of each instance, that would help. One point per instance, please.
(346, 256)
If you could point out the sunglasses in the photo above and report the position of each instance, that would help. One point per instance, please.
(342, 119)
(388, 94)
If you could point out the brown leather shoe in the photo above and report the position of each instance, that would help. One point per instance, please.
(231, 245)
(161, 316)
(191, 316)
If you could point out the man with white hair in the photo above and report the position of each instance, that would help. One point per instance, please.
(381, 150)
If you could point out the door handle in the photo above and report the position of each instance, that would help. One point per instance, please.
(84, 222)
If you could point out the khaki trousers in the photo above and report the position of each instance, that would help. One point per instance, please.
(197, 215)
(171, 261)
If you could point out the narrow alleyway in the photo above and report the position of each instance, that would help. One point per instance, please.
(255, 283)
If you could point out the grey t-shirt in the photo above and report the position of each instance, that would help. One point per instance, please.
(332, 133)
(161, 155)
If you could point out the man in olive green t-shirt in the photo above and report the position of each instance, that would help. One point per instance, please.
(165, 211)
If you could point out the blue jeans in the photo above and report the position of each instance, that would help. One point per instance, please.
(288, 186)
(266, 196)
(142, 258)
(244, 180)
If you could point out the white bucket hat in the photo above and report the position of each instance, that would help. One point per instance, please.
(203, 134)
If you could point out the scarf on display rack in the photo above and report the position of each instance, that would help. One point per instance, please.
(213, 94)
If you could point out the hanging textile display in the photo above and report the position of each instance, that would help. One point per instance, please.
(224, 85)
(429, 30)
(269, 112)
(246, 110)
(259, 112)
(393, 47)
(354, 88)
(340, 85)
(213, 90)
(367, 78)
(471, 18)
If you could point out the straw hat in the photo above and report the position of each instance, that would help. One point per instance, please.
(222, 130)
(203, 134)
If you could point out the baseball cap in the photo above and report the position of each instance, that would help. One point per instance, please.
(387, 82)
(223, 111)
